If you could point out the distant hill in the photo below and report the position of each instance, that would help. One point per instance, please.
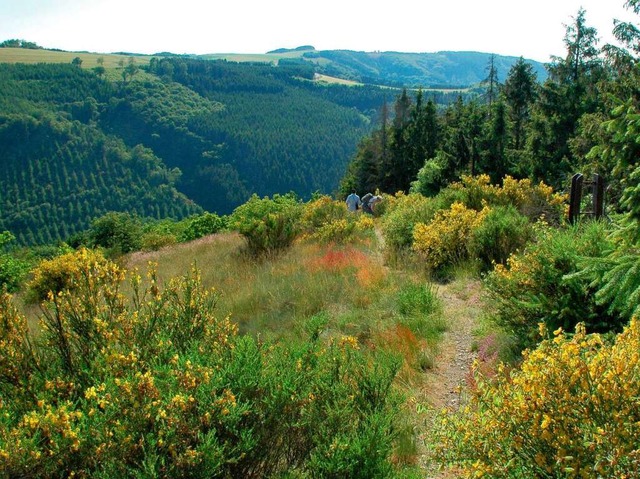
(446, 69)
(426, 70)
(303, 48)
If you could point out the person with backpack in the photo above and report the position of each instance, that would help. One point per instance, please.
(366, 203)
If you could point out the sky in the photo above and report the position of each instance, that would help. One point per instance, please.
(533, 29)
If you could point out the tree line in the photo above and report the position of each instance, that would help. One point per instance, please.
(519, 126)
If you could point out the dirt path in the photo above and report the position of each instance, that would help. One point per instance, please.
(461, 309)
(445, 383)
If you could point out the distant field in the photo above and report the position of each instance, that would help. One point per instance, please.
(89, 60)
(251, 57)
(327, 79)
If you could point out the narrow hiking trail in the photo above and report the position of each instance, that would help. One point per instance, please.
(462, 307)
(445, 383)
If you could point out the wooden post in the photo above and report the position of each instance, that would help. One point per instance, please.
(576, 198)
(598, 196)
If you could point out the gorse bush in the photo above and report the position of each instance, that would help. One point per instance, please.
(539, 284)
(570, 411)
(327, 221)
(517, 203)
(445, 240)
(64, 272)
(533, 201)
(401, 218)
(268, 224)
(159, 386)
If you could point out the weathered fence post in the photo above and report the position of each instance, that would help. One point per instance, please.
(576, 197)
(598, 196)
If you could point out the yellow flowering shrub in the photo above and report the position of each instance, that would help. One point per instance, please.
(159, 386)
(571, 410)
(444, 240)
(532, 200)
(64, 272)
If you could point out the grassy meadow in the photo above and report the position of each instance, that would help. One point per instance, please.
(347, 286)
(89, 60)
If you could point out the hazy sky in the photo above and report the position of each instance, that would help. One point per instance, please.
(533, 28)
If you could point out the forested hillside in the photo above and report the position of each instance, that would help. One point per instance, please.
(426, 70)
(58, 170)
(166, 141)
(520, 126)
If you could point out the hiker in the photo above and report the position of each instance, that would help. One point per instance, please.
(373, 202)
(353, 202)
(366, 203)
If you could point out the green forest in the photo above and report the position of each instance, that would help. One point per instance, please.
(77, 144)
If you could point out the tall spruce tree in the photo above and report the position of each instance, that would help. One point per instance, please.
(570, 92)
(395, 174)
(424, 134)
(520, 94)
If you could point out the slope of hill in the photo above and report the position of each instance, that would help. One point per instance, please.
(213, 131)
(445, 69)
(427, 70)
(58, 170)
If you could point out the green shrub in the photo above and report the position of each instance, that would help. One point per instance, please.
(203, 225)
(118, 233)
(400, 220)
(154, 240)
(539, 284)
(269, 225)
(616, 275)
(12, 270)
(503, 231)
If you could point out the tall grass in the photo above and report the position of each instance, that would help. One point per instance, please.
(274, 296)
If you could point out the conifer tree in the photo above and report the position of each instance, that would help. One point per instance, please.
(520, 94)
(569, 92)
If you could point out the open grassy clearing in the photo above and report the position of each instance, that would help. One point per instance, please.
(347, 287)
(333, 80)
(349, 284)
(89, 60)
